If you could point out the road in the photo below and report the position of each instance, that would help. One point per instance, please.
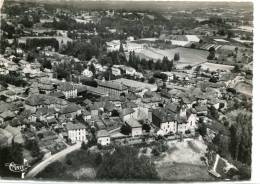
(43, 164)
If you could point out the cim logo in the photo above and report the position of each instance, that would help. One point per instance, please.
(17, 168)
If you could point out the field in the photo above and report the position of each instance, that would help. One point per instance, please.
(214, 67)
(183, 172)
(187, 56)
(244, 88)
(182, 162)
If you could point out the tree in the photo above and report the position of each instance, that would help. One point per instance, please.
(126, 130)
(176, 56)
(211, 55)
(202, 129)
(114, 113)
(241, 135)
(92, 69)
(46, 63)
(222, 145)
(151, 80)
(124, 163)
(213, 112)
(98, 159)
(146, 127)
(230, 34)
(33, 146)
(121, 48)
(155, 151)
(162, 76)
(150, 64)
(165, 62)
(52, 171)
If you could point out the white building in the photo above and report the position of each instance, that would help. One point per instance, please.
(87, 73)
(116, 71)
(165, 121)
(76, 132)
(68, 90)
(103, 137)
(136, 127)
(113, 45)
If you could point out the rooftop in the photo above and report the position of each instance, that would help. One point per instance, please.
(102, 133)
(133, 123)
(66, 86)
(136, 84)
(76, 126)
(112, 84)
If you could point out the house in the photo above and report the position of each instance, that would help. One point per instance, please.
(45, 87)
(30, 71)
(103, 137)
(76, 132)
(136, 127)
(45, 114)
(127, 114)
(6, 116)
(87, 73)
(202, 110)
(116, 100)
(68, 90)
(35, 101)
(116, 71)
(170, 76)
(109, 107)
(86, 115)
(113, 45)
(186, 119)
(165, 121)
(70, 112)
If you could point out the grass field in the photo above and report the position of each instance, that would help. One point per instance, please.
(187, 56)
(182, 162)
(183, 172)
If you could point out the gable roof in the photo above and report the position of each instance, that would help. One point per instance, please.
(133, 123)
(103, 133)
(127, 111)
(66, 86)
(111, 84)
(70, 108)
(75, 126)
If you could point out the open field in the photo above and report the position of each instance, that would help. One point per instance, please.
(244, 88)
(187, 56)
(183, 161)
(214, 67)
(183, 172)
(187, 151)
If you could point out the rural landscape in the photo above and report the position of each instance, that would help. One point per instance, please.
(126, 91)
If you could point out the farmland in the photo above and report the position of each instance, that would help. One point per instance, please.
(187, 56)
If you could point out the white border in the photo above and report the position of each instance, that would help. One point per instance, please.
(256, 99)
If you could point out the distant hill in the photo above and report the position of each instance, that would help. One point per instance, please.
(145, 5)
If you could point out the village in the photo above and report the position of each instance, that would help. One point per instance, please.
(85, 77)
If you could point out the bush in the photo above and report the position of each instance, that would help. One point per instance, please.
(155, 151)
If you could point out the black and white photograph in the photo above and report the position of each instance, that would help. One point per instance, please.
(126, 91)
